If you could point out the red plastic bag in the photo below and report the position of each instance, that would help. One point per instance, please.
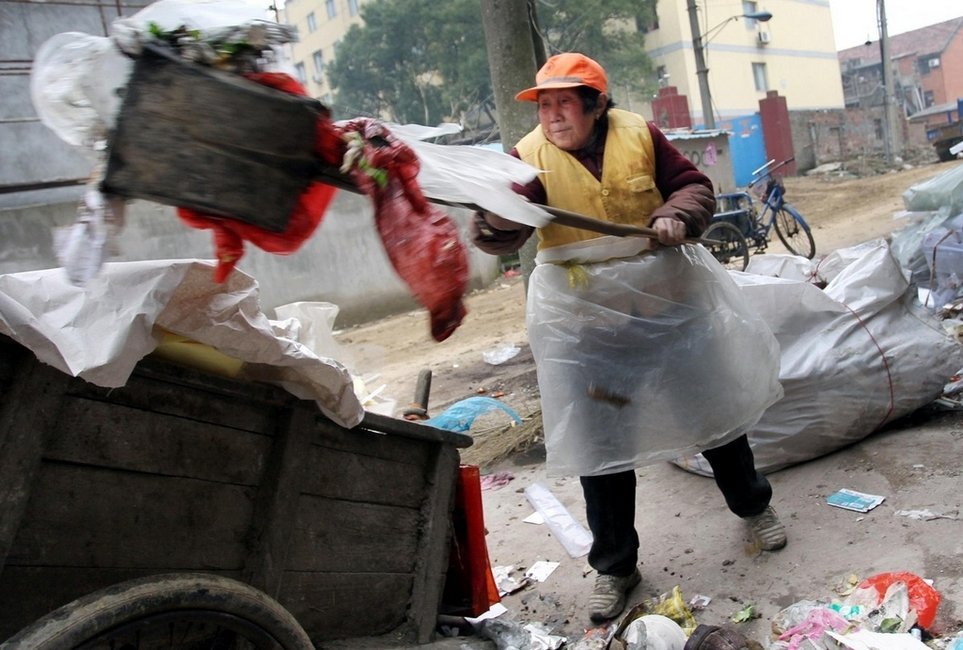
(421, 241)
(923, 598)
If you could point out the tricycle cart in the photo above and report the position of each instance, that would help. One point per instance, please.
(275, 520)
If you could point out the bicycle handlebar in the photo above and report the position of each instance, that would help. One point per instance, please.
(769, 171)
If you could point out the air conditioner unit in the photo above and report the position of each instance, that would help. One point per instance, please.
(763, 37)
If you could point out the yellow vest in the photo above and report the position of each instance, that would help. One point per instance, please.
(626, 194)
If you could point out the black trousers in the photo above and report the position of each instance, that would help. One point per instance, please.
(610, 504)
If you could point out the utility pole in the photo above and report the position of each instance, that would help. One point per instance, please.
(890, 135)
(514, 56)
(702, 72)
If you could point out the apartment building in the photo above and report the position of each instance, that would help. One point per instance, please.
(793, 53)
(321, 26)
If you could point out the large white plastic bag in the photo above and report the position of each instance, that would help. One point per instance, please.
(667, 336)
(75, 84)
(854, 357)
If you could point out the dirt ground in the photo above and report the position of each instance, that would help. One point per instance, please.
(689, 539)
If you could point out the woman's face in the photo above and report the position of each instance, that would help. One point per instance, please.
(564, 120)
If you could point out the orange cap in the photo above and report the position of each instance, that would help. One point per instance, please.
(567, 70)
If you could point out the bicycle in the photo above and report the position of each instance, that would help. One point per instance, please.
(738, 224)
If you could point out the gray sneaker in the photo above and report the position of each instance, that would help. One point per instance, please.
(608, 597)
(767, 530)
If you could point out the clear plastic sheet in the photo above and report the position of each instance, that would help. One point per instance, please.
(645, 359)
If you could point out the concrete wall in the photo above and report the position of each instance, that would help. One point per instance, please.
(830, 135)
(343, 262)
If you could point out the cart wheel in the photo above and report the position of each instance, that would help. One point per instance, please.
(178, 610)
(794, 232)
(727, 244)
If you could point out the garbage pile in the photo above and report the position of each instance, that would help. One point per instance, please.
(886, 611)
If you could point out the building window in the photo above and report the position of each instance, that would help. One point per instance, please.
(928, 98)
(301, 73)
(750, 7)
(759, 77)
(318, 66)
(662, 76)
(312, 23)
(352, 7)
(332, 10)
(878, 127)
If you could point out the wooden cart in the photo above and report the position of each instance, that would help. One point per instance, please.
(180, 471)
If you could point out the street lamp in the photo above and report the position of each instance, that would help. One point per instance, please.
(702, 72)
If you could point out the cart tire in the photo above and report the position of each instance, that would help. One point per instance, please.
(168, 610)
(731, 248)
(794, 232)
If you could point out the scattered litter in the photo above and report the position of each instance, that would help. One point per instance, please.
(494, 611)
(506, 583)
(509, 634)
(925, 515)
(461, 415)
(570, 534)
(648, 632)
(908, 591)
(541, 569)
(747, 613)
(853, 500)
(698, 602)
(866, 640)
(496, 480)
(501, 354)
(673, 606)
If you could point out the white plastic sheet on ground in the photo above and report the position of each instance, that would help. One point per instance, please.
(99, 332)
(855, 356)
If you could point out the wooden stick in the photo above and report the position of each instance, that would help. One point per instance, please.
(333, 176)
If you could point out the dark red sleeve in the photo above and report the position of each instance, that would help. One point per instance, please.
(687, 192)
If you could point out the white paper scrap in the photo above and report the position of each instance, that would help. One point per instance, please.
(866, 640)
(534, 518)
(541, 569)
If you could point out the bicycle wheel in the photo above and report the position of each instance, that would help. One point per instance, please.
(727, 244)
(794, 232)
(178, 610)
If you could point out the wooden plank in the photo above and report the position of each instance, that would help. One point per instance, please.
(117, 436)
(27, 593)
(341, 536)
(275, 512)
(345, 605)
(164, 394)
(413, 430)
(349, 476)
(414, 453)
(27, 408)
(431, 564)
(82, 516)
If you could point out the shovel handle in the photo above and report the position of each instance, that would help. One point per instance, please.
(334, 176)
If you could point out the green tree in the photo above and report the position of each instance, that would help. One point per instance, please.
(425, 61)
